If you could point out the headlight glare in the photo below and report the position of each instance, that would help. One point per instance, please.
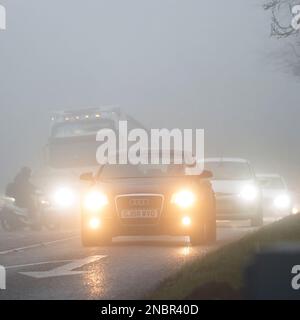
(282, 201)
(64, 197)
(295, 210)
(95, 200)
(94, 223)
(186, 221)
(249, 193)
(184, 198)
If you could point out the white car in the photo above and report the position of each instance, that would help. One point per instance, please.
(276, 196)
(237, 191)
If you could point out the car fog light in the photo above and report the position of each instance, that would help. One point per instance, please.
(186, 221)
(94, 223)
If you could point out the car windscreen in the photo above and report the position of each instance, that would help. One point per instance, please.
(115, 171)
(229, 170)
(80, 128)
(272, 183)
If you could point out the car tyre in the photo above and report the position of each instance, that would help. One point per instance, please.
(206, 234)
(198, 236)
(211, 232)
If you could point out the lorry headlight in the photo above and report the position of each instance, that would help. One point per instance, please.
(64, 197)
(282, 201)
(249, 193)
(95, 200)
(184, 198)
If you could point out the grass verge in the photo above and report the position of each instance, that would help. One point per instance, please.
(219, 275)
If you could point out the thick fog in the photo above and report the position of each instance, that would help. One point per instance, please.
(170, 63)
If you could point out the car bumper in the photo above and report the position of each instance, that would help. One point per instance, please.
(269, 209)
(169, 222)
(234, 208)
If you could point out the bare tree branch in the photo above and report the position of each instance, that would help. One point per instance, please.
(284, 31)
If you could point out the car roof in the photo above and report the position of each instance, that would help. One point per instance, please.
(227, 159)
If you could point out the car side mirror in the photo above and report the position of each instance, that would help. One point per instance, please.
(87, 176)
(206, 174)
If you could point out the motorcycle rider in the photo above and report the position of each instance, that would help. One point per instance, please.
(23, 191)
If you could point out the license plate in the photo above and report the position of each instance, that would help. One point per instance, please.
(139, 213)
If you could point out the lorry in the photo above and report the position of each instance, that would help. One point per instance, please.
(70, 151)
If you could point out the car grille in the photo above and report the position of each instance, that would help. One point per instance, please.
(139, 209)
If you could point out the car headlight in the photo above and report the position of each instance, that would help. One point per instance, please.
(95, 200)
(249, 193)
(184, 198)
(64, 197)
(282, 201)
(295, 210)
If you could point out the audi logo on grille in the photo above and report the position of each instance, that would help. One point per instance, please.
(139, 202)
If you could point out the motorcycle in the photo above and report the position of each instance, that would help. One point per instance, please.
(13, 218)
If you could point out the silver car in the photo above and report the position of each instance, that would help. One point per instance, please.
(276, 196)
(237, 191)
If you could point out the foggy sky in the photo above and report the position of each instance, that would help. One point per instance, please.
(170, 63)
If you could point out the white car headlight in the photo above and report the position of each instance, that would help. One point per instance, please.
(95, 200)
(282, 201)
(64, 197)
(295, 210)
(249, 193)
(184, 198)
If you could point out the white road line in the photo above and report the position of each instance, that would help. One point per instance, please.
(64, 270)
(36, 245)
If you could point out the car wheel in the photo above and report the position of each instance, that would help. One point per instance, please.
(206, 233)
(197, 237)
(211, 232)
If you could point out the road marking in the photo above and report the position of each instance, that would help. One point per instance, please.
(65, 270)
(36, 245)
